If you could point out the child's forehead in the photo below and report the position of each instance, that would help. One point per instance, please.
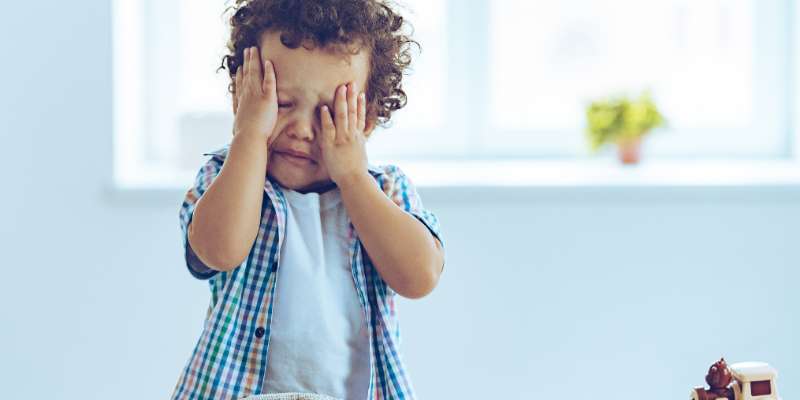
(309, 69)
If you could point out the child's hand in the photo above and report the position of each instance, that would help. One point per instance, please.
(343, 142)
(255, 101)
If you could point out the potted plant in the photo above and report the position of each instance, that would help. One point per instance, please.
(623, 121)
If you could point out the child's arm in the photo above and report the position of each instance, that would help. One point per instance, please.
(407, 256)
(226, 219)
(405, 253)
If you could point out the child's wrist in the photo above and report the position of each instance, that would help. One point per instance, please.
(252, 144)
(354, 181)
(250, 133)
(251, 138)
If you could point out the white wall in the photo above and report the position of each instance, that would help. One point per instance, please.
(538, 298)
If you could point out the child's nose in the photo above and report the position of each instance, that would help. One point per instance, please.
(302, 129)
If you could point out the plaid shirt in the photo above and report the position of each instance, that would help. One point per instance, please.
(230, 358)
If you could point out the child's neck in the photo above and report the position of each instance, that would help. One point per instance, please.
(319, 188)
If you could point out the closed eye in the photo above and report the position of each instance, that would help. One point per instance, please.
(285, 105)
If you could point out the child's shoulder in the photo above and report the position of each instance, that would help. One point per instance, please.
(386, 171)
(391, 178)
(219, 153)
(383, 169)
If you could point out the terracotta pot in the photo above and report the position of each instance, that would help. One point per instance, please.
(629, 150)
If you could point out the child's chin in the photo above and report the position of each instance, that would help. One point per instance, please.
(290, 180)
(294, 178)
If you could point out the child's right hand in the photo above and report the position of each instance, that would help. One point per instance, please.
(255, 101)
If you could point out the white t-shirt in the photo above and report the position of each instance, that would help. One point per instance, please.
(319, 341)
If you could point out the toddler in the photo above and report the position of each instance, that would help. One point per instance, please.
(305, 245)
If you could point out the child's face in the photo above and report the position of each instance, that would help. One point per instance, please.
(307, 80)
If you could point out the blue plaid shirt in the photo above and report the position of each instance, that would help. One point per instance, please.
(230, 358)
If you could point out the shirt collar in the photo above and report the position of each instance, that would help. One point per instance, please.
(222, 152)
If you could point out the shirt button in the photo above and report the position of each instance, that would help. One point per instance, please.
(259, 332)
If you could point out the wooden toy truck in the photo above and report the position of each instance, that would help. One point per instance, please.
(740, 381)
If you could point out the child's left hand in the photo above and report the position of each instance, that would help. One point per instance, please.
(342, 142)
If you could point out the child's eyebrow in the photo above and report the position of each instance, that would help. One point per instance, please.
(286, 89)
(327, 99)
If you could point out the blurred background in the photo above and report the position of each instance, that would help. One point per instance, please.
(568, 272)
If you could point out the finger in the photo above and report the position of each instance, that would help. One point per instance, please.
(269, 84)
(250, 72)
(245, 63)
(341, 113)
(237, 89)
(352, 108)
(328, 128)
(258, 76)
(362, 112)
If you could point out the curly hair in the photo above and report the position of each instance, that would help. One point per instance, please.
(342, 25)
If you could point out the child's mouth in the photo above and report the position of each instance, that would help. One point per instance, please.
(296, 160)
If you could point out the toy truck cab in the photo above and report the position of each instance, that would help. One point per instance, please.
(754, 381)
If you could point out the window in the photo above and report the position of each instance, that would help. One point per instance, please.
(712, 65)
(760, 388)
(495, 79)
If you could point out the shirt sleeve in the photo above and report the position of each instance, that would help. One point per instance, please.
(403, 193)
(205, 176)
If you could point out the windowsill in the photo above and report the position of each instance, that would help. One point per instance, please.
(553, 180)
(603, 173)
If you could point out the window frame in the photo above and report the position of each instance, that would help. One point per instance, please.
(132, 171)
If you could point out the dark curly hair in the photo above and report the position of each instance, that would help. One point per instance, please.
(344, 25)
